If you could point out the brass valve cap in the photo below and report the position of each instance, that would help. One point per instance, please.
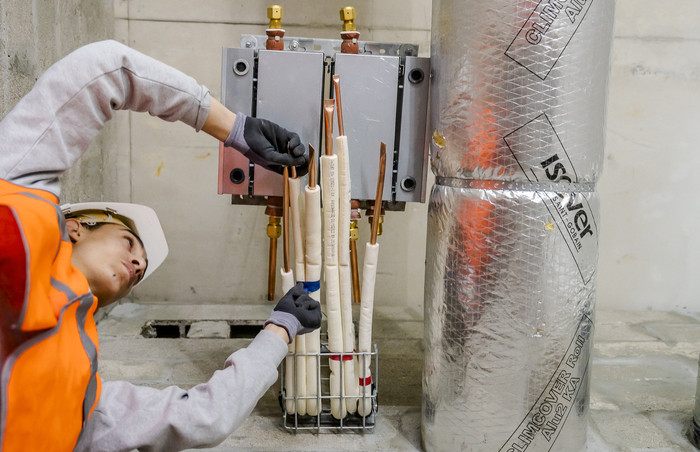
(275, 14)
(347, 15)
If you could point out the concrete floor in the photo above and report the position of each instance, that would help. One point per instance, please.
(643, 389)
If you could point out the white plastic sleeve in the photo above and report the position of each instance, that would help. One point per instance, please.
(369, 274)
(287, 284)
(296, 201)
(314, 259)
(314, 265)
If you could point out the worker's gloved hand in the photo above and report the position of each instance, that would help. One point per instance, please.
(268, 144)
(296, 312)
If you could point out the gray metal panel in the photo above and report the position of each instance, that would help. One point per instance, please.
(236, 84)
(290, 89)
(237, 71)
(412, 165)
(369, 85)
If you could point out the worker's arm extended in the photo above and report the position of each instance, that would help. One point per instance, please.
(52, 126)
(131, 417)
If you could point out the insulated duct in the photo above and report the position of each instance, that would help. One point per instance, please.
(518, 102)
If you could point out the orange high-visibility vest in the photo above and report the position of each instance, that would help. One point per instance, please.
(48, 339)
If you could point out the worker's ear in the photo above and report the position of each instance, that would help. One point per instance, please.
(74, 229)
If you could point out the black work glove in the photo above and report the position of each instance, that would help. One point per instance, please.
(268, 144)
(296, 312)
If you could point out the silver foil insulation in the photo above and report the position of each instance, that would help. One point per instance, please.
(518, 100)
(511, 90)
(510, 289)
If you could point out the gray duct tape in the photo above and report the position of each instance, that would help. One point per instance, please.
(519, 88)
(510, 294)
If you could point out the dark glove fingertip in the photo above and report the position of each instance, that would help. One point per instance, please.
(295, 147)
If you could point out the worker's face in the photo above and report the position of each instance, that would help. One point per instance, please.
(111, 258)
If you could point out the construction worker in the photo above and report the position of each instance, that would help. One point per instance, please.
(57, 264)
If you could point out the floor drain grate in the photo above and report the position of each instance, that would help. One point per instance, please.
(180, 329)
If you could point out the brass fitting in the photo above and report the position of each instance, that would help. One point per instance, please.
(274, 228)
(354, 230)
(379, 226)
(275, 14)
(347, 15)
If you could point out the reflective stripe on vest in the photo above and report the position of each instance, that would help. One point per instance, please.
(90, 348)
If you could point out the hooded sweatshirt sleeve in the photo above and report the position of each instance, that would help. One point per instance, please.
(51, 127)
(131, 417)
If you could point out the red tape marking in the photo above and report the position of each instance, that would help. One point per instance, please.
(337, 357)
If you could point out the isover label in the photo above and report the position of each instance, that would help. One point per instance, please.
(546, 33)
(573, 216)
(544, 422)
(540, 153)
(543, 158)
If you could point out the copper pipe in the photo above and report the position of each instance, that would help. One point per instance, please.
(274, 212)
(312, 167)
(380, 191)
(355, 274)
(350, 37)
(336, 85)
(275, 33)
(328, 107)
(285, 219)
(271, 269)
(354, 235)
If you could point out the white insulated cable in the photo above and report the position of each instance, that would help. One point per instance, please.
(369, 273)
(329, 191)
(350, 382)
(314, 265)
(287, 284)
(298, 364)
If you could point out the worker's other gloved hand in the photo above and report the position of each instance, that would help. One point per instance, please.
(268, 144)
(296, 312)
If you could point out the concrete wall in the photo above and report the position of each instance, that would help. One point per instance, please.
(218, 251)
(649, 241)
(34, 34)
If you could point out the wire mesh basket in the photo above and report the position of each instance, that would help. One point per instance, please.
(324, 421)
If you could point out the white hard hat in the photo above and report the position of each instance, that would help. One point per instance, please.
(144, 223)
